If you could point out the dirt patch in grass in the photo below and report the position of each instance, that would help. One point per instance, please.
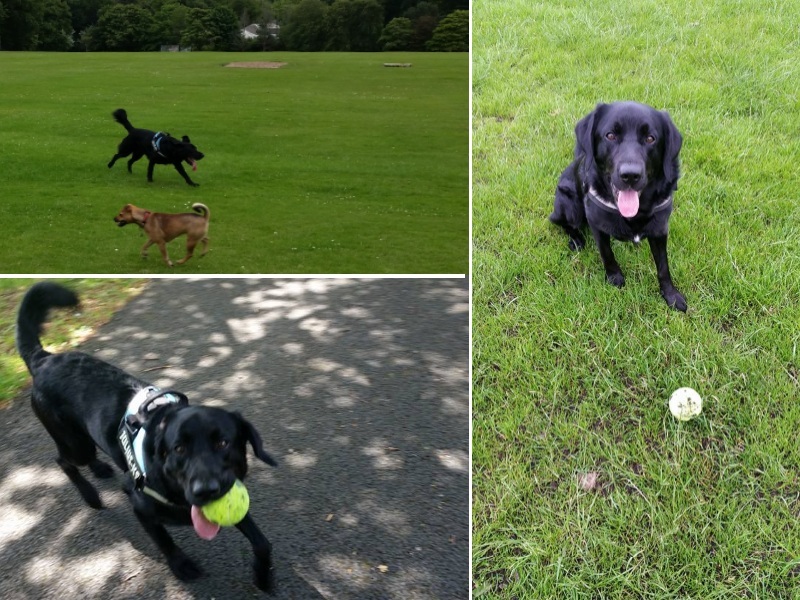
(257, 65)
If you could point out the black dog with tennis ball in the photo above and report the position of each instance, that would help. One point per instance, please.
(180, 457)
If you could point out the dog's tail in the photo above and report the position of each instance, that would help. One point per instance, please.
(202, 210)
(32, 315)
(121, 117)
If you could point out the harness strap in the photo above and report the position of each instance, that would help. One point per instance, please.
(157, 142)
(131, 432)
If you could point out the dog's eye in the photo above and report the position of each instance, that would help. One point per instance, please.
(180, 449)
(611, 136)
(221, 444)
(650, 139)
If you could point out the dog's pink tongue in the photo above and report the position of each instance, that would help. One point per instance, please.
(204, 528)
(194, 165)
(628, 203)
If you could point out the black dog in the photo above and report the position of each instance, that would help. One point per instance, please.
(188, 457)
(160, 148)
(621, 182)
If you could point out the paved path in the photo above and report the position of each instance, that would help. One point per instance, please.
(358, 387)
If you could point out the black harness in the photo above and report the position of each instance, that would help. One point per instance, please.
(131, 427)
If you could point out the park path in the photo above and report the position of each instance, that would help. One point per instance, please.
(358, 387)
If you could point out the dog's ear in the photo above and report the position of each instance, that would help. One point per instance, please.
(250, 434)
(672, 147)
(186, 139)
(584, 136)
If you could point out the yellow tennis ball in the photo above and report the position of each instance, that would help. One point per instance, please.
(231, 508)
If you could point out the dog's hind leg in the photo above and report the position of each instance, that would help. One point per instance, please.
(75, 449)
(136, 156)
(86, 489)
(205, 241)
(190, 245)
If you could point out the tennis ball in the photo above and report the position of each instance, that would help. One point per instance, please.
(685, 404)
(231, 508)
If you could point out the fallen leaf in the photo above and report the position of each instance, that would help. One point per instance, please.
(588, 481)
(383, 568)
(329, 518)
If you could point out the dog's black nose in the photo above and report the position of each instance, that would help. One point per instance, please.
(630, 173)
(205, 489)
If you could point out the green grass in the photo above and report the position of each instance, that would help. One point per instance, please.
(100, 298)
(572, 376)
(331, 164)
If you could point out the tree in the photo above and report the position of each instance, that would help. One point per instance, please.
(55, 27)
(354, 25)
(396, 35)
(36, 25)
(452, 34)
(123, 27)
(304, 26)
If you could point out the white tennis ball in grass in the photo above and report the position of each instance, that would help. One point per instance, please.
(231, 508)
(685, 404)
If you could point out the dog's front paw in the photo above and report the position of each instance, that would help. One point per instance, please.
(184, 567)
(616, 279)
(264, 578)
(675, 299)
(193, 184)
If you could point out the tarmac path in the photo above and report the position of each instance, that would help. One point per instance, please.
(358, 387)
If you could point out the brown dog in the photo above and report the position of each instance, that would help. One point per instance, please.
(165, 227)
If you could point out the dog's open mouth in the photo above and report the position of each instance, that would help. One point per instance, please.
(627, 202)
(193, 163)
(120, 223)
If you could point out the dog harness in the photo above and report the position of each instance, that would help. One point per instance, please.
(131, 432)
(157, 138)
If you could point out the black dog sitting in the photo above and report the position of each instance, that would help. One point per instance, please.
(621, 183)
(160, 148)
(187, 456)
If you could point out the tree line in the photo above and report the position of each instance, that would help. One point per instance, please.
(303, 25)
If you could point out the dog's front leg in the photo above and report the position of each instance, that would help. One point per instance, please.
(262, 551)
(674, 299)
(162, 246)
(181, 565)
(150, 166)
(147, 244)
(179, 168)
(613, 272)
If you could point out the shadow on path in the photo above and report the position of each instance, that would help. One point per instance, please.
(358, 387)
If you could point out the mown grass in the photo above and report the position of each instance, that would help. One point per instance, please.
(571, 376)
(100, 298)
(331, 164)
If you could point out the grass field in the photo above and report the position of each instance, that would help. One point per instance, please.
(584, 486)
(100, 298)
(331, 164)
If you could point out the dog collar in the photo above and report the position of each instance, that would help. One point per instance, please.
(146, 216)
(611, 207)
(132, 433)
